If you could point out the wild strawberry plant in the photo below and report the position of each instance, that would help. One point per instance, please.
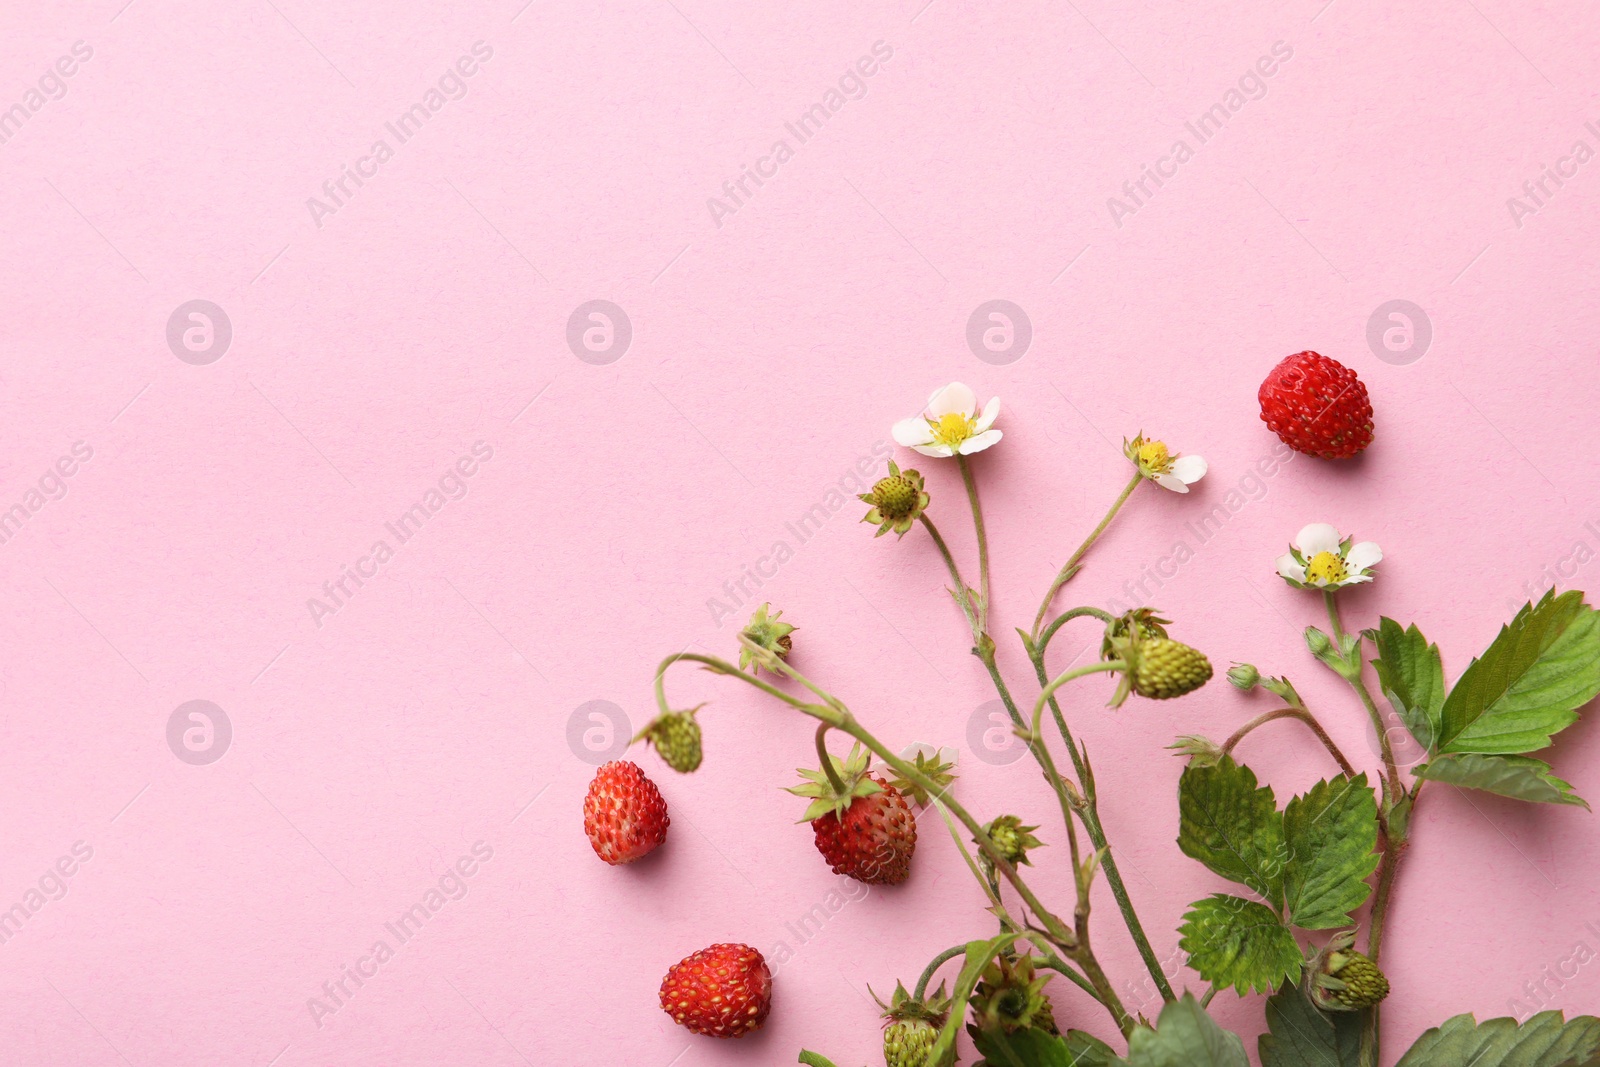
(1305, 868)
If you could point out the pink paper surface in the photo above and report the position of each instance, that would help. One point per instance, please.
(439, 712)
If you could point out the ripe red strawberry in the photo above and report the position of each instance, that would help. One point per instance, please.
(1318, 406)
(867, 831)
(623, 813)
(720, 991)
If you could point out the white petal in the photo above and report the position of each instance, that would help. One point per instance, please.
(909, 433)
(1189, 468)
(1173, 482)
(991, 411)
(980, 442)
(934, 450)
(1318, 537)
(1363, 554)
(1288, 568)
(954, 398)
(1356, 579)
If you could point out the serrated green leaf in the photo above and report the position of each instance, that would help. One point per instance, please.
(1231, 826)
(1239, 944)
(1301, 1036)
(1517, 777)
(1545, 1040)
(1036, 1048)
(1412, 676)
(812, 1059)
(1185, 1036)
(1331, 833)
(1529, 683)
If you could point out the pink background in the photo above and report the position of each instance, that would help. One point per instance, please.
(374, 746)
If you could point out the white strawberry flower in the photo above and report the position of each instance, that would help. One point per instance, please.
(1169, 471)
(1319, 559)
(951, 424)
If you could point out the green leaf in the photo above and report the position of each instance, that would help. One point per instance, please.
(1529, 683)
(1543, 1041)
(1185, 1036)
(1301, 1036)
(812, 1059)
(1517, 777)
(979, 953)
(1331, 833)
(1239, 944)
(1412, 676)
(1233, 827)
(1036, 1048)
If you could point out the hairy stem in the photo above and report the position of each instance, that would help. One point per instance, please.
(933, 965)
(1305, 717)
(1392, 785)
(983, 541)
(955, 574)
(985, 652)
(1090, 815)
(1061, 620)
(1068, 569)
(827, 761)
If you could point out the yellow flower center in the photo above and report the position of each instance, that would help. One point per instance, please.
(952, 429)
(1326, 568)
(1153, 455)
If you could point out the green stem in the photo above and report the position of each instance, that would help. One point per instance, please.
(1061, 620)
(1097, 836)
(1070, 568)
(1394, 845)
(827, 762)
(955, 573)
(718, 666)
(983, 541)
(938, 961)
(1358, 683)
(1305, 717)
(985, 652)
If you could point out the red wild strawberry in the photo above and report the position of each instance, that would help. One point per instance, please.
(1318, 406)
(720, 991)
(623, 813)
(864, 826)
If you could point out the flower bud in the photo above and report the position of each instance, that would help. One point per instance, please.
(1244, 676)
(1318, 642)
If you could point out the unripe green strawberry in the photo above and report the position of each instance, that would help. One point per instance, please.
(676, 737)
(907, 1043)
(911, 1027)
(1349, 981)
(1164, 668)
